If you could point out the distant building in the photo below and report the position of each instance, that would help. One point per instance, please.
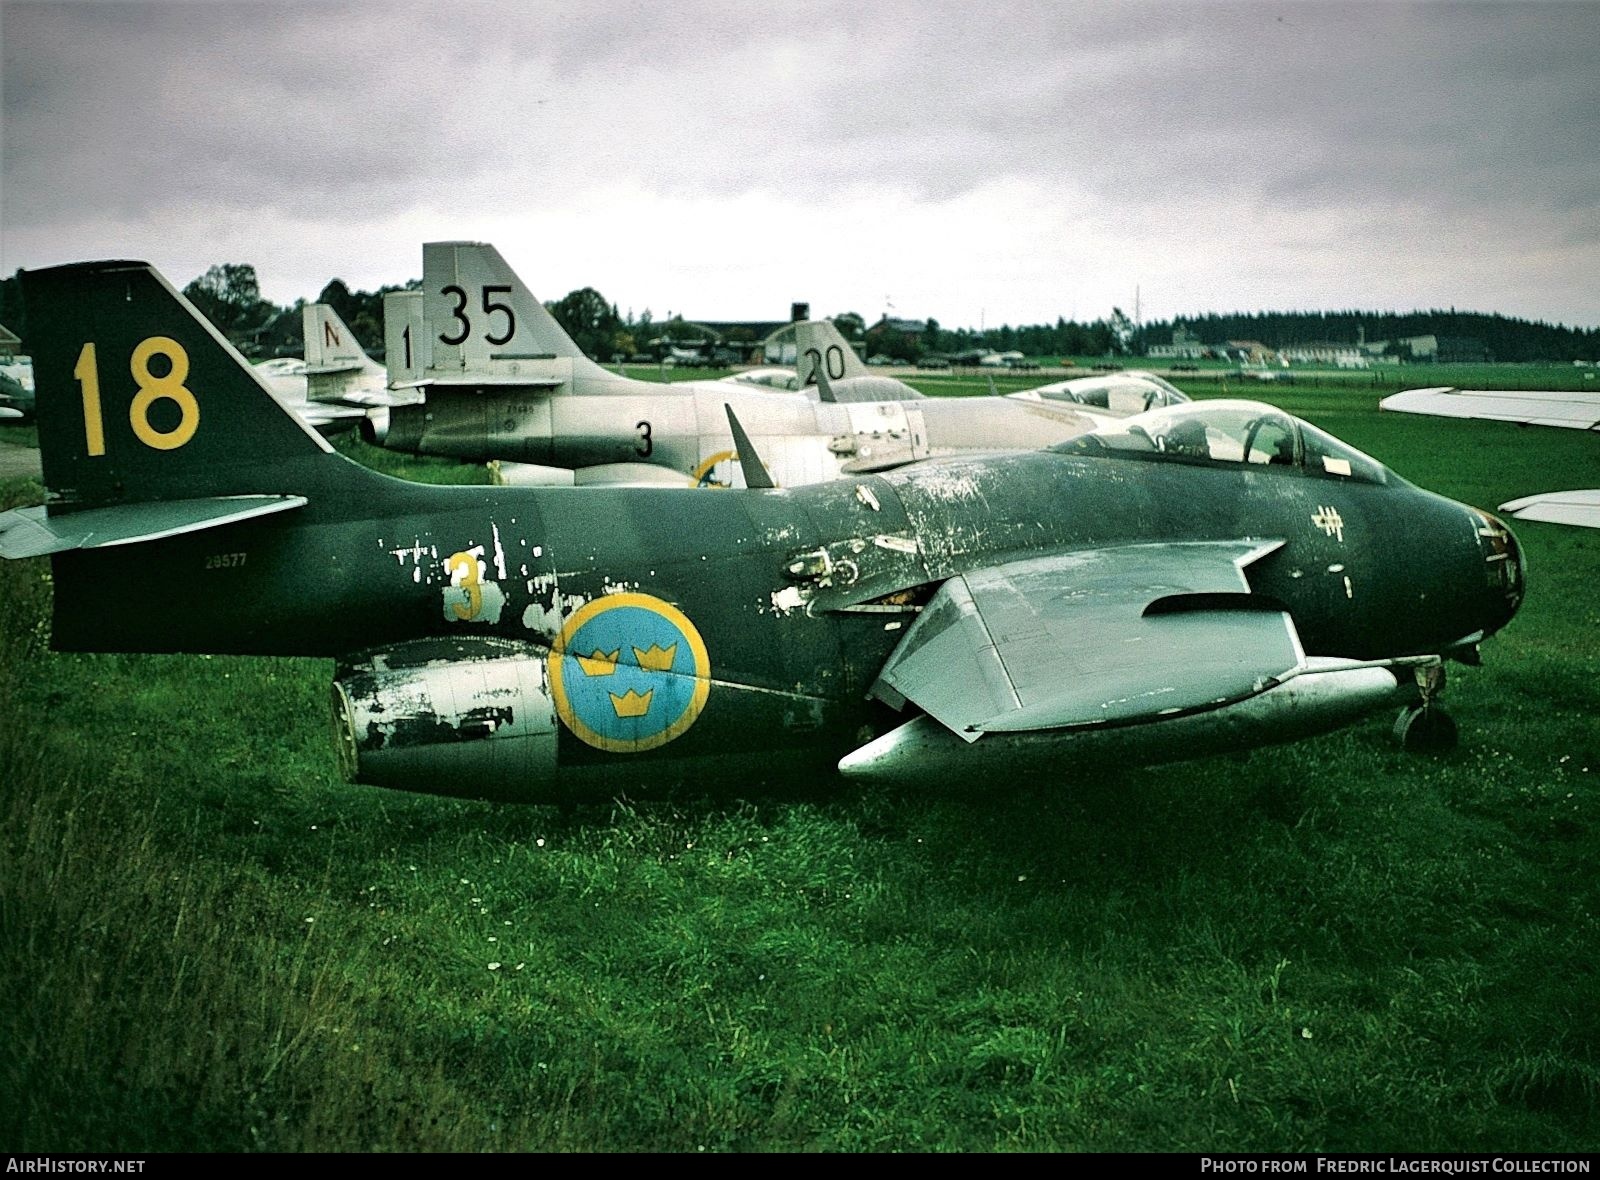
(899, 327)
(1184, 344)
(1462, 350)
(896, 338)
(736, 341)
(1250, 352)
(1431, 349)
(1340, 356)
(1422, 348)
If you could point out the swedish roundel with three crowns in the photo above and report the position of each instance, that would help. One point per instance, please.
(629, 672)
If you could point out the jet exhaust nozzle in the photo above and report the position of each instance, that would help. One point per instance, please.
(473, 719)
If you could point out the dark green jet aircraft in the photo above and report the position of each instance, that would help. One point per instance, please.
(1194, 579)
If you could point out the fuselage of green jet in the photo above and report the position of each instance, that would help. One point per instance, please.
(1199, 578)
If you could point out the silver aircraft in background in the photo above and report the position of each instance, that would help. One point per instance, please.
(502, 381)
(336, 384)
(16, 380)
(822, 355)
(824, 358)
(16, 389)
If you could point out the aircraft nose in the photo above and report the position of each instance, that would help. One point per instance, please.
(1507, 572)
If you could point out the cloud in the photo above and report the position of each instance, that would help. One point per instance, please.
(1014, 160)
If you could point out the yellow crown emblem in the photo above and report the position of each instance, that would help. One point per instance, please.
(599, 664)
(656, 659)
(630, 703)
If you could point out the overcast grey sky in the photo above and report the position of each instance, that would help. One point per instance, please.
(996, 161)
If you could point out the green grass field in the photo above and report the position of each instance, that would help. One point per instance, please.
(208, 942)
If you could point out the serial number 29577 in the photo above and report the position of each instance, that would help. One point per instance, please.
(224, 561)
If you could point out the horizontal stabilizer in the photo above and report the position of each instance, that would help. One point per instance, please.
(516, 380)
(32, 532)
(874, 389)
(364, 399)
(1069, 640)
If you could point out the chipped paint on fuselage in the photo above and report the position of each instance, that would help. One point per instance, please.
(787, 654)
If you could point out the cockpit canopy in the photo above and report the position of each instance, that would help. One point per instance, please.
(1229, 432)
(1124, 393)
(786, 379)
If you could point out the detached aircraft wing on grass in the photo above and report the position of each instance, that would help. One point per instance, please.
(1196, 579)
(1575, 410)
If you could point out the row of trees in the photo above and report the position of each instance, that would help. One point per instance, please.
(230, 294)
(1502, 337)
(1063, 338)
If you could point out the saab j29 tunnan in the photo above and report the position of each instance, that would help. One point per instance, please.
(1195, 579)
(502, 381)
(826, 366)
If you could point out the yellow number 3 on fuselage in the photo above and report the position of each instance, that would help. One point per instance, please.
(463, 569)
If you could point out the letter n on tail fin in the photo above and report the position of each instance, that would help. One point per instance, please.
(140, 398)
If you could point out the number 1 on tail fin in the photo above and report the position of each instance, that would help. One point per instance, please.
(87, 371)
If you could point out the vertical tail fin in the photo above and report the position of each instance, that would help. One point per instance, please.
(482, 324)
(821, 346)
(338, 369)
(405, 344)
(140, 398)
(330, 344)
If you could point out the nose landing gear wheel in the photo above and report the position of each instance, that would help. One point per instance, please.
(1425, 729)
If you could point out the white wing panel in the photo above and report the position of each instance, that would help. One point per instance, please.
(1578, 410)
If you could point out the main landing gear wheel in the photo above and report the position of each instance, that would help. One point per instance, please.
(1425, 729)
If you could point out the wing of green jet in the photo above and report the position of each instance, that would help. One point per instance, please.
(1096, 637)
(32, 532)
